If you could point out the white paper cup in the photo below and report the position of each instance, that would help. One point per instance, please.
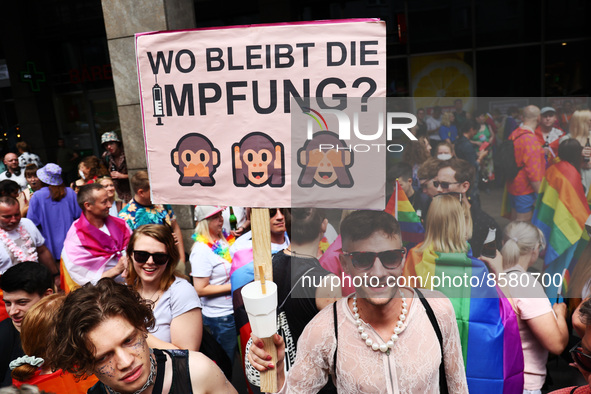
(261, 308)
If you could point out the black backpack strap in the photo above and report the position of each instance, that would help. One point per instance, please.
(292, 288)
(336, 337)
(442, 378)
(160, 361)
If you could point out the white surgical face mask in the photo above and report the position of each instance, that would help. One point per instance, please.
(444, 156)
(81, 174)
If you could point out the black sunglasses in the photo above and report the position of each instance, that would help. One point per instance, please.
(273, 211)
(390, 259)
(141, 257)
(583, 360)
(444, 185)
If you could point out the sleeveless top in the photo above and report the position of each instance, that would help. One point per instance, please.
(181, 379)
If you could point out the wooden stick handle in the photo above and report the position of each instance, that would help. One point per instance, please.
(269, 378)
(262, 276)
(261, 242)
(261, 248)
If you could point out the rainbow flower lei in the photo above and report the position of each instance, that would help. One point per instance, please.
(218, 247)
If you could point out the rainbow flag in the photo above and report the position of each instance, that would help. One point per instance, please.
(560, 213)
(411, 227)
(565, 282)
(491, 345)
(564, 266)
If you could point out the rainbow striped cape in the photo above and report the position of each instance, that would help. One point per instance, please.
(489, 333)
(560, 213)
(410, 224)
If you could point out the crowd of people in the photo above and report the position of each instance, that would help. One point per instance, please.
(99, 295)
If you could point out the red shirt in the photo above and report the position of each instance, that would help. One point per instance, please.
(529, 154)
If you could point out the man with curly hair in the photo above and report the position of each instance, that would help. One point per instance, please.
(101, 329)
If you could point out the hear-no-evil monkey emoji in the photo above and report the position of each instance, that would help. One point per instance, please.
(325, 161)
(196, 160)
(258, 160)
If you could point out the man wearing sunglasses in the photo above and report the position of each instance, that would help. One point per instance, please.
(380, 339)
(94, 247)
(455, 176)
(279, 239)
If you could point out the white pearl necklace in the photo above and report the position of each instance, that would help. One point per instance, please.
(384, 347)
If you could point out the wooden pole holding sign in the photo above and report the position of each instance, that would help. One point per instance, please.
(261, 249)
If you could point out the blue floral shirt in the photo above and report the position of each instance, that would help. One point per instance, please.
(137, 215)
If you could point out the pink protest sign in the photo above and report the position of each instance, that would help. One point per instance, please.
(217, 105)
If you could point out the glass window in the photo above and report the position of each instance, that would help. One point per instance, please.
(502, 22)
(397, 77)
(567, 19)
(82, 118)
(436, 26)
(567, 69)
(509, 72)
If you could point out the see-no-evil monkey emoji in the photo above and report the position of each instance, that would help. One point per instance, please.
(325, 161)
(196, 160)
(257, 160)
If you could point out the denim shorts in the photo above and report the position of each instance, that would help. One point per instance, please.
(523, 204)
(223, 330)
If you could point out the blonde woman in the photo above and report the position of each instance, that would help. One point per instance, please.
(449, 225)
(446, 255)
(109, 186)
(580, 129)
(542, 327)
(578, 126)
(210, 268)
(448, 131)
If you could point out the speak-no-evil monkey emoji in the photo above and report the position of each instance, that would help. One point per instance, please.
(325, 161)
(196, 160)
(257, 160)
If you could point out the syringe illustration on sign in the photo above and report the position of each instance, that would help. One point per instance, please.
(158, 102)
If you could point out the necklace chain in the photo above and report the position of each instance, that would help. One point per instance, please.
(152, 296)
(147, 384)
(375, 346)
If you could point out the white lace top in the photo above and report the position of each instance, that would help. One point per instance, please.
(411, 367)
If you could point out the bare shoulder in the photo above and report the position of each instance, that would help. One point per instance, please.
(206, 377)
